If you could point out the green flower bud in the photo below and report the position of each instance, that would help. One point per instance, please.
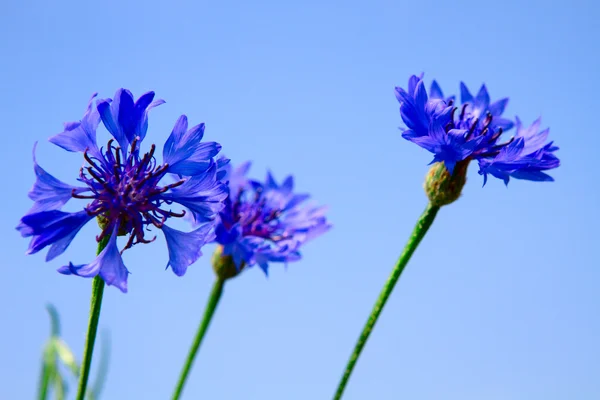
(224, 266)
(443, 188)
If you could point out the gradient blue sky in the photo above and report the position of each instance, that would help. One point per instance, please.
(499, 302)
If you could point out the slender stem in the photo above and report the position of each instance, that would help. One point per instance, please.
(211, 306)
(98, 384)
(44, 380)
(95, 306)
(418, 233)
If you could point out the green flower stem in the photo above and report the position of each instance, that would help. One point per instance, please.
(211, 306)
(44, 380)
(95, 305)
(417, 235)
(98, 384)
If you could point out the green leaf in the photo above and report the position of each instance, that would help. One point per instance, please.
(66, 356)
(57, 349)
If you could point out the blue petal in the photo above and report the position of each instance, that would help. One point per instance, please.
(198, 162)
(408, 134)
(295, 200)
(435, 92)
(513, 150)
(24, 230)
(203, 195)
(401, 94)
(270, 181)
(185, 152)
(414, 117)
(227, 236)
(59, 247)
(185, 247)
(420, 96)
(534, 138)
(497, 107)
(413, 81)
(110, 260)
(437, 133)
(281, 254)
(83, 270)
(503, 123)
(244, 249)
(109, 113)
(108, 264)
(236, 177)
(445, 114)
(52, 227)
(288, 185)
(67, 269)
(482, 100)
(125, 114)
(81, 135)
(223, 161)
(143, 121)
(48, 192)
(426, 142)
(134, 117)
(264, 266)
(112, 269)
(496, 173)
(465, 95)
(305, 223)
(532, 175)
(240, 254)
(172, 144)
(450, 164)
(222, 167)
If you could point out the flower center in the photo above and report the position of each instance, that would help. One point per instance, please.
(255, 216)
(477, 128)
(125, 191)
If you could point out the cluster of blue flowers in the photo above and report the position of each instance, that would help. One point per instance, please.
(128, 192)
(474, 130)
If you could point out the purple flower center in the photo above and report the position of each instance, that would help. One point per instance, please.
(256, 217)
(477, 128)
(126, 192)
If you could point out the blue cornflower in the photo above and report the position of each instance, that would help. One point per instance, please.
(472, 131)
(126, 190)
(265, 222)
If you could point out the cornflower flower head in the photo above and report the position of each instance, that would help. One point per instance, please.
(262, 222)
(473, 130)
(127, 190)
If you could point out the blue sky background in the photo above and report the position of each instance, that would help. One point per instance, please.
(499, 302)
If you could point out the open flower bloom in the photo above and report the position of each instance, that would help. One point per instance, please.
(126, 190)
(265, 222)
(474, 131)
